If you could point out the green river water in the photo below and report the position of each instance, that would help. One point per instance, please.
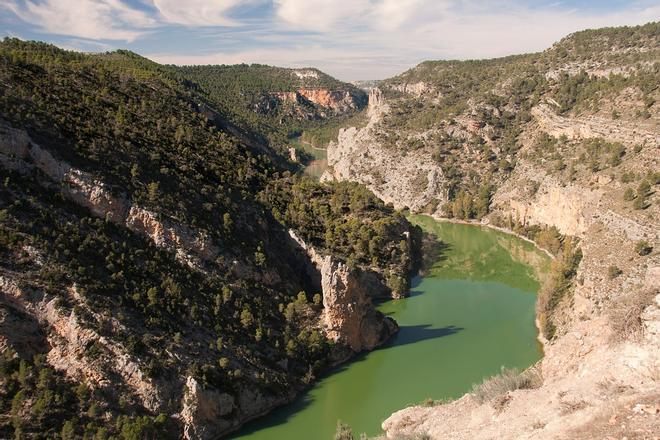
(470, 315)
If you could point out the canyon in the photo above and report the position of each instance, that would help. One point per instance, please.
(170, 270)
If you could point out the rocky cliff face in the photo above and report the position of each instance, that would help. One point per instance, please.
(598, 380)
(405, 180)
(147, 279)
(349, 316)
(67, 342)
(33, 322)
(311, 103)
(579, 362)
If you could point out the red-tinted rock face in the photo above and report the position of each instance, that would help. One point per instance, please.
(313, 103)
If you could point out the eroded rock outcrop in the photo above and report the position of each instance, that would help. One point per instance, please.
(313, 103)
(542, 200)
(348, 314)
(592, 127)
(67, 343)
(405, 179)
(203, 411)
(19, 152)
(592, 380)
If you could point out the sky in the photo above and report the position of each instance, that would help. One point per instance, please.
(349, 39)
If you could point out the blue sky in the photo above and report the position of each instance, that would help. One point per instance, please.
(350, 39)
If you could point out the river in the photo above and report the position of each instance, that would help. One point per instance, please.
(470, 315)
(318, 161)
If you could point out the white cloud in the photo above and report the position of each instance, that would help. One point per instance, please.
(395, 14)
(335, 15)
(199, 12)
(321, 15)
(352, 39)
(92, 19)
(406, 32)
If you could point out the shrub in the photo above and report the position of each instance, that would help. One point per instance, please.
(643, 192)
(428, 402)
(508, 380)
(613, 272)
(628, 195)
(343, 432)
(642, 247)
(562, 271)
(625, 315)
(640, 203)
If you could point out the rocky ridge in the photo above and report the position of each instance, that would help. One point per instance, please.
(329, 101)
(348, 316)
(146, 282)
(395, 178)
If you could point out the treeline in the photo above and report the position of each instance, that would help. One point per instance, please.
(243, 93)
(470, 203)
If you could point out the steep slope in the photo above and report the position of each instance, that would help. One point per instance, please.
(275, 101)
(149, 281)
(563, 147)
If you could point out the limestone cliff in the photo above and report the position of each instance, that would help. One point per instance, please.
(349, 316)
(405, 180)
(311, 103)
(572, 168)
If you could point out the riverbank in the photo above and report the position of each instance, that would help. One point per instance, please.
(490, 226)
(476, 297)
(599, 380)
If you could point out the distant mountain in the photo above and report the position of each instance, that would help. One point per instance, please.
(276, 101)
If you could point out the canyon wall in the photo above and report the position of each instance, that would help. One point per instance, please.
(349, 316)
(36, 322)
(410, 180)
(594, 381)
(19, 152)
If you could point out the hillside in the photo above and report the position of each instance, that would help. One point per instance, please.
(161, 274)
(275, 101)
(563, 147)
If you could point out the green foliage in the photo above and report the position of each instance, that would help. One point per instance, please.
(549, 239)
(349, 222)
(562, 271)
(629, 194)
(45, 404)
(155, 140)
(471, 203)
(508, 380)
(247, 96)
(613, 272)
(644, 191)
(643, 247)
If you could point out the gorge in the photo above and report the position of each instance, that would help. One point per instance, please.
(170, 269)
(470, 315)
